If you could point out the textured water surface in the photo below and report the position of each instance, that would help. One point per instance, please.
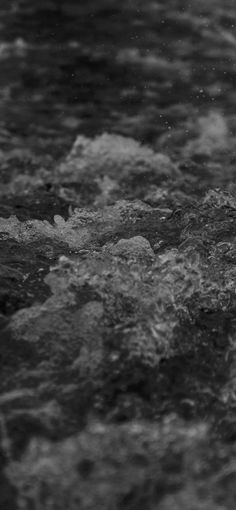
(117, 254)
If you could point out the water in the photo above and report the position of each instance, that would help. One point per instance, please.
(143, 71)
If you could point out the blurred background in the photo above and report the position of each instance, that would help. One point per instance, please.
(149, 70)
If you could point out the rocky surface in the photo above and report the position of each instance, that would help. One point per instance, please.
(117, 255)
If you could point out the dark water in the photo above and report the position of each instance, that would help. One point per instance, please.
(125, 67)
(147, 70)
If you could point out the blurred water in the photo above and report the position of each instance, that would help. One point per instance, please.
(144, 70)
